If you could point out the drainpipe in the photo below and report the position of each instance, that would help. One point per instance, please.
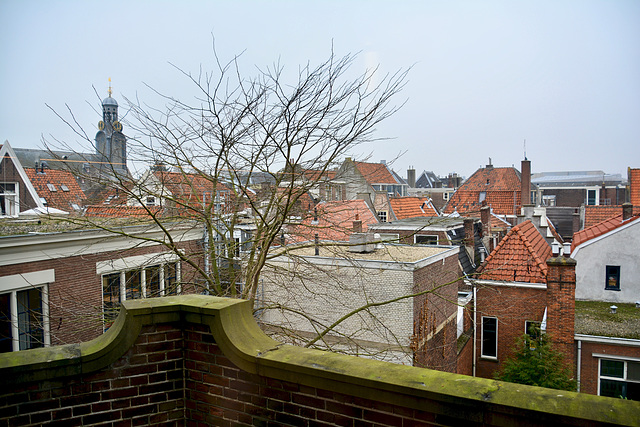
(475, 327)
(579, 363)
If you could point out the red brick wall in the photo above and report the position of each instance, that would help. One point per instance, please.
(75, 298)
(434, 330)
(589, 363)
(513, 306)
(144, 387)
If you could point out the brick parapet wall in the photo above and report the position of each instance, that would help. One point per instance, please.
(143, 387)
(200, 361)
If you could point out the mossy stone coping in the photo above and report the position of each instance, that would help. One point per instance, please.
(243, 342)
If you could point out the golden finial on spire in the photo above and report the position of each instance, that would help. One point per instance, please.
(110, 87)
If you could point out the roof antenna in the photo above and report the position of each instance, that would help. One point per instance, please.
(110, 91)
(525, 149)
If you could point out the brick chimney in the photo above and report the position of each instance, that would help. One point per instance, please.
(485, 218)
(525, 180)
(357, 224)
(627, 211)
(561, 304)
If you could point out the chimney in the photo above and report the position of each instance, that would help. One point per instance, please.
(525, 190)
(627, 211)
(357, 225)
(469, 238)
(485, 218)
(561, 303)
(411, 177)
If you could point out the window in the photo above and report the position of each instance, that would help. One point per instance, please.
(612, 278)
(63, 187)
(383, 216)
(619, 378)
(489, 337)
(482, 197)
(592, 197)
(8, 199)
(549, 200)
(28, 331)
(52, 187)
(151, 201)
(445, 196)
(144, 282)
(24, 316)
(532, 329)
(425, 240)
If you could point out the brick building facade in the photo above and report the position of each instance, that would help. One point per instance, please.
(60, 287)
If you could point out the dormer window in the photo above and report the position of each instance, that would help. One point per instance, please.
(52, 187)
(8, 199)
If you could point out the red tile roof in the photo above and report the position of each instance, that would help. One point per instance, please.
(599, 229)
(521, 256)
(189, 189)
(501, 187)
(376, 173)
(58, 187)
(411, 207)
(121, 211)
(634, 186)
(335, 221)
(596, 214)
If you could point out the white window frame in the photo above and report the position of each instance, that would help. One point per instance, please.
(482, 349)
(11, 200)
(383, 216)
(19, 282)
(613, 358)
(445, 195)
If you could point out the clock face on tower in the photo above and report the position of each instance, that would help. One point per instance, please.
(101, 125)
(117, 126)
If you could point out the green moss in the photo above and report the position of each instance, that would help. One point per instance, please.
(595, 318)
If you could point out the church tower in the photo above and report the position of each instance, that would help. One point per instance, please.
(111, 144)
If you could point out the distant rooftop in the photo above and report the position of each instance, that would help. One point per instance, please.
(388, 253)
(576, 178)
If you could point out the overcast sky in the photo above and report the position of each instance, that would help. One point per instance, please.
(486, 75)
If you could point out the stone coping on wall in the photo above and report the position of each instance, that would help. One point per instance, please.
(244, 343)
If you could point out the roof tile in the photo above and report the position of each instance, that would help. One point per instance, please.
(501, 186)
(519, 257)
(58, 187)
(411, 207)
(599, 229)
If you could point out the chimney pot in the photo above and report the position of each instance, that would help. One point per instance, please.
(613, 309)
(566, 249)
(555, 248)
